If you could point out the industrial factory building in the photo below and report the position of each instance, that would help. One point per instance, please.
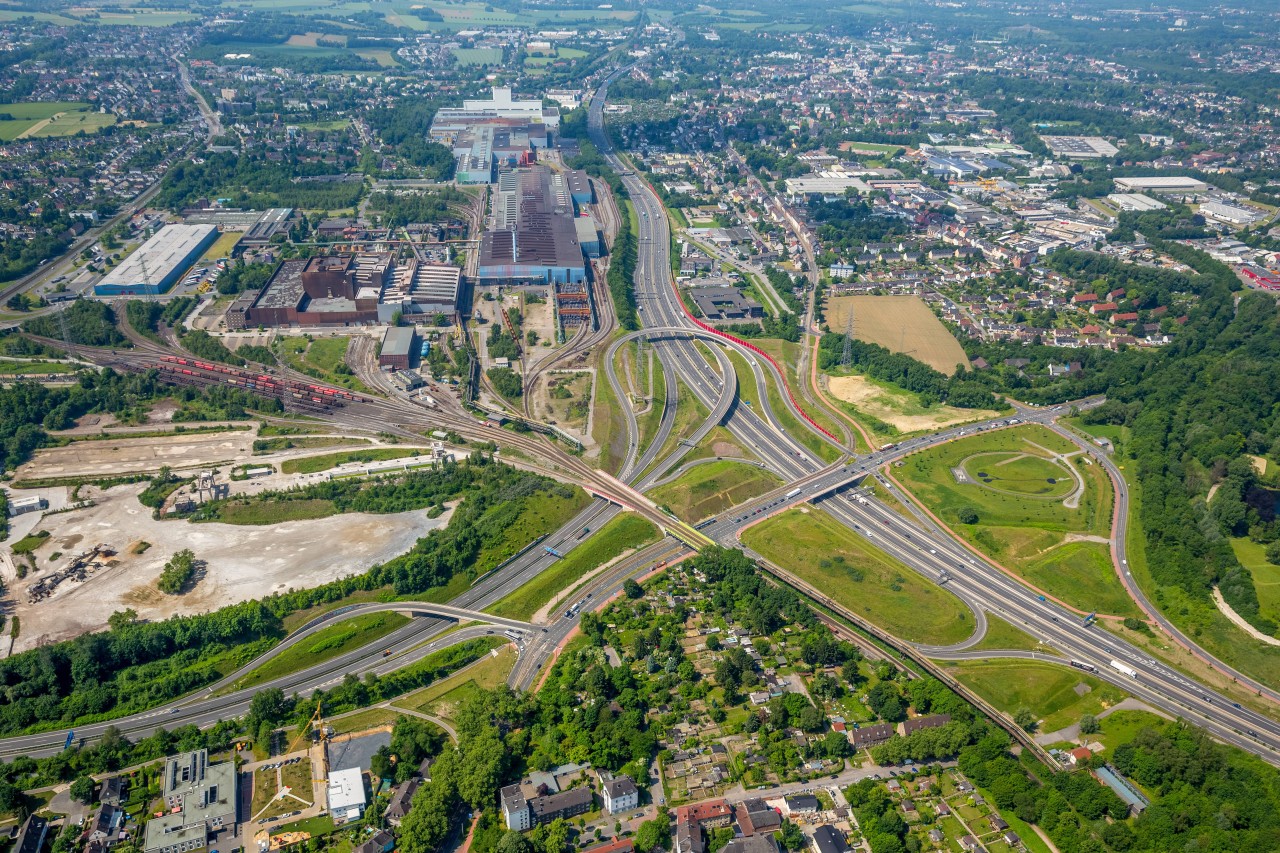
(348, 290)
(421, 291)
(487, 135)
(397, 347)
(535, 238)
(328, 291)
(158, 263)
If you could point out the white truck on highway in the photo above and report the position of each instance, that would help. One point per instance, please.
(1124, 668)
(791, 494)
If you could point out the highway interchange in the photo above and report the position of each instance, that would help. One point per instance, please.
(919, 544)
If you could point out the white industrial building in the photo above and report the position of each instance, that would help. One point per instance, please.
(157, 264)
(1230, 214)
(1161, 184)
(346, 795)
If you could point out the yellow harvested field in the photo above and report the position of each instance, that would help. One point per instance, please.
(897, 408)
(901, 324)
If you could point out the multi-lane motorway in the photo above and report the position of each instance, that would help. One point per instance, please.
(924, 547)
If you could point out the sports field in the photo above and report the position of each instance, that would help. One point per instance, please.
(899, 323)
(860, 577)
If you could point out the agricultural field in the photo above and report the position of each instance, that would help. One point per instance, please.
(626, 532)
(899, 409)
(707, 489)
(1055, 693)
(860, 577)
(1041, 507)
(49, 119)
(901, 324)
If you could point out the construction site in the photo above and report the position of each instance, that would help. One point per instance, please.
(94, 551)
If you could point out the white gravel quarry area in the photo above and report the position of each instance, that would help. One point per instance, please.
(243, 562)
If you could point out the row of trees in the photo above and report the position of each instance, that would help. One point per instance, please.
(905, 372)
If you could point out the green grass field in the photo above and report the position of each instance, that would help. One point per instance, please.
(314, 464)
(325, 644)
(32, 368)
(1266, 576)
(1048, 690)
(889, 594)
(274, 512)
(625, 531)
(707, 489)
(440, 699)
(1033, 534)
(477, 55)
(1004, 636)
(323, 358)
(1032, 476)
(37, 119)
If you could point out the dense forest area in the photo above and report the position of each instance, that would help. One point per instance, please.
(252, 181)
(406, 128)
(438, 205)
(86, 321)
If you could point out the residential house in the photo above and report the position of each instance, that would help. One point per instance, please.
(620, 795)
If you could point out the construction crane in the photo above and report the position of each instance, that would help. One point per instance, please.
(315, 724)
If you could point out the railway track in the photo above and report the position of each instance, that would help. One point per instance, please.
(343, 408)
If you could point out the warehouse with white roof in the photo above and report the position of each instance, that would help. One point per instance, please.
(157, 264)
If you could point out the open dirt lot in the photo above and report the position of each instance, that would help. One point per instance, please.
(901, 324)
(899, 410)
(113, 457)
(242, 562)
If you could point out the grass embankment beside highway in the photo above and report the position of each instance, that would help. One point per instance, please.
(787, 354)
(626, 531)
(1197, 618)
(710, 488)
(1052, 692)
(860, 578)
(798, 431)
(1002, 635)
(1017, 492)
(327, 643)
(443, 698)
(690, 413)
(608, 423)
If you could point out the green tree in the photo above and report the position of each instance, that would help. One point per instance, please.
(791, 836)
(82, 789)
(1089, 725)
(1025, 719)
(653, 834)
(967, 515)
(632, 589)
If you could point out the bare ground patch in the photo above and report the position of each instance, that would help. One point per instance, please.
(887, 406)
(243, 563)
